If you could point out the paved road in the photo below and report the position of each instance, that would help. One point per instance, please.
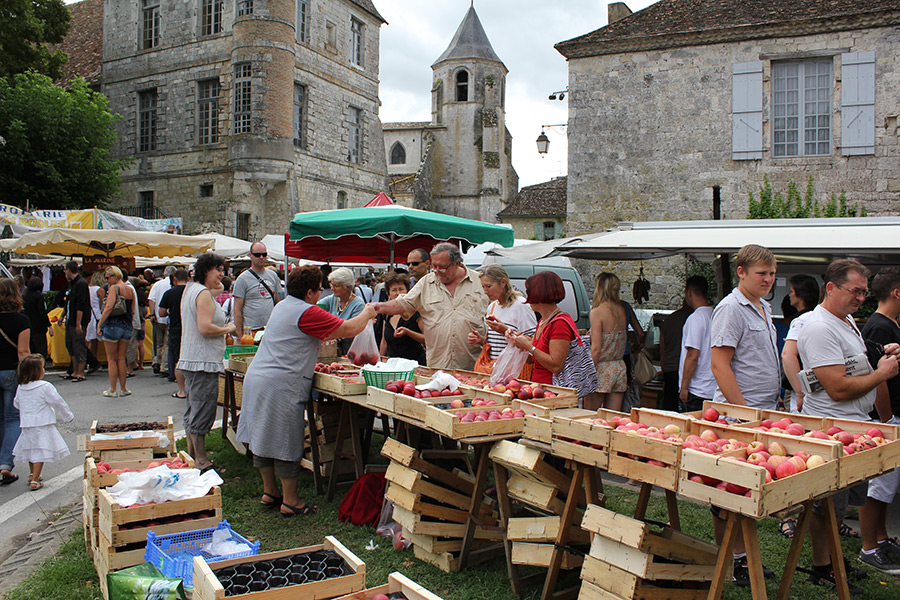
(23, 512)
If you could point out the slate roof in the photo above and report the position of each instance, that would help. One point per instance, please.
(369, 6)
(673, 23)
(547, 199)
(84, 42)
(469, 41)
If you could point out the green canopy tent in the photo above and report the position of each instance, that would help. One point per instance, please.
(380, 233)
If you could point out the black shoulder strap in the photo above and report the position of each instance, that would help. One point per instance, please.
(263, 282)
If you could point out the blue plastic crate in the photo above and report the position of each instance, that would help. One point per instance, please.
(174, 554)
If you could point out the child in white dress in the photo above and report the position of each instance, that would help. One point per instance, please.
(39, 405)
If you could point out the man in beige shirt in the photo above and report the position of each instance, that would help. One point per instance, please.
(451, 303)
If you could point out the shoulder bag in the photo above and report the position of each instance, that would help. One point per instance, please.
(579, 371)
(118, 308)
(642, 369)
(265, 285)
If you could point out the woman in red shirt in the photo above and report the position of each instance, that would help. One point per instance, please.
(555, 331)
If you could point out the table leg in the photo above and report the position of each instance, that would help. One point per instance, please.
(725, 558)
(640, 511)
(503, 505)
(793, 557)
(318, 480)
(834, 547)
(343, 422)
(562, 538)
(754, 559)
(227, 401)
(482, 460)
(672, 505)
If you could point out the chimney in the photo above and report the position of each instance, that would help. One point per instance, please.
(617, 10)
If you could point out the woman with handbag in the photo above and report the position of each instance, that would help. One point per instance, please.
(608, 327)
(507, 311)
(15, 331)
(115, 327)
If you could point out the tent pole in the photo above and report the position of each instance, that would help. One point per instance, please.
(393, 241)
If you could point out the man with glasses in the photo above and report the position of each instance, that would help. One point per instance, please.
(419, 263)
(829, 344)
(256, 292)
(451, 302)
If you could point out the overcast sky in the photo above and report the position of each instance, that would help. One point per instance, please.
(522, 33)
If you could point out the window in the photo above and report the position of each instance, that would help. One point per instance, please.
(242, 98)
(462, 86)
(211, 17)
(242, 226)
(354, 135)
(206, 190)
(357, 42)
(549, 230)
(147, 120)
(208, 112)
(398, 154)
(244, 7)
(148, 207)
(299, 115)
(330, 36)
(149, 24)
(801, 108)
(342, 200)
(303, 21)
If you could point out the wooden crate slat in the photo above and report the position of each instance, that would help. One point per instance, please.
(540, 555)
(417, 525)
(543, 529)
(615, 526)
(414, 503)
(117, 515)
(535, 494)
(437, 545)
(449, 562)
(415, 482)
(397, 583)
(528, 462)
(589, 591)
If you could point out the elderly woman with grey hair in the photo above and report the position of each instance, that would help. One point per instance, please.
(344, 302)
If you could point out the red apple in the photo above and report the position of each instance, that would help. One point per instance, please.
(736, 489)
(785, 469)
(711, 414)
(777, 449)
(875, 432)
(766, 423)
(708, 435)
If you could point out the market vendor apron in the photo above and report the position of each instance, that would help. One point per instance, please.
(277, 386)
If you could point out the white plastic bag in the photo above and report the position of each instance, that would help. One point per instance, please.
(364, 349)
(223, 545)
(509, 364)
(160, 484)
(439, 381)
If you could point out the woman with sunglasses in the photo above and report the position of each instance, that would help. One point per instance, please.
(115, 329)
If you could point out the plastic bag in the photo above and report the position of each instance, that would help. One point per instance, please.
(142, 582)
(364, 349)
(160, 484)
(642, 369)
(509, 364)
(439, 381)
(223, 545)
(387, 526)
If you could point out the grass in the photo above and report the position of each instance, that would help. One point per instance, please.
(70, 574)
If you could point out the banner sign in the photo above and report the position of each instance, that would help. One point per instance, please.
(21, 221)
(111, 220)
(98, 263)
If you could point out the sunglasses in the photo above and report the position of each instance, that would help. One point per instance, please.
(414, 263)
(259, 254)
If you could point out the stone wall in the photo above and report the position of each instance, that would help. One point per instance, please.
(650, 135)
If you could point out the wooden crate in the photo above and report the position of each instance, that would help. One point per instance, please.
(765, 498)
(809, 422)
(439, 545)
(146, 446)
(113, 517)
(634, 588)
(870, 462)
(418, 525)
(426, 373)
(629, 453)
(728, 432)
(448, 562)
(208, 587)
(734, 412)
(240, 362)
(540, 555)
(580, 439)
(341, 385)
(544, 530)
(564, 398)
(417, 484)
(238, 391)
(99, 480)
(447, 423)
(409, 457)
(397, 583)
(527, 463)
(417, 408)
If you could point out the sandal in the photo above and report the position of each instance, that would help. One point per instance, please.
(211, 467)
(110, 394)
(65, 376)
(305, 510)
(77, 379)
(847, 531)
(275, 503)
(36, 485)
(124, 393)
(175, 395)
(787, 527)
(8, 478)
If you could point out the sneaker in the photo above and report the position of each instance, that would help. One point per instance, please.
(881, 561)
(854, 573)
(890, 546)
(825, 578)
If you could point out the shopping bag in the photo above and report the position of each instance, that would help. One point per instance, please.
(509, 364)
(364, 349)
(484, 363)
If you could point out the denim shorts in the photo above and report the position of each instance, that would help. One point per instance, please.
(115, 332)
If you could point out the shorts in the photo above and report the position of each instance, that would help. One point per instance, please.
(116, 332)
(283, 469)
(852, 496)
(76, 344)
(202, 392)
(693, 404)
(140, 335)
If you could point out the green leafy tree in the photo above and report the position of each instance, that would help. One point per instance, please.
(26, 26)
(792, 205)
(58, 143)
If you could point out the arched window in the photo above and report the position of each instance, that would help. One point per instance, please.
(462, 86)
(398, 154)
(342, 200)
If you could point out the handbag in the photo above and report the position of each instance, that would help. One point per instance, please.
(484, 363)
(118, 308)
(642, 369)
(579, 371)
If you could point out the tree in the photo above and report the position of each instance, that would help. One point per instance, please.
(26, 26)
(794, 206)
(58, 143)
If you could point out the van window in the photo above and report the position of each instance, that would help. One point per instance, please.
(568, 304)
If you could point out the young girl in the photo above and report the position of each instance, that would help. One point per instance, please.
(39, 403)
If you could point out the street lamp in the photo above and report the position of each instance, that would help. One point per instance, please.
(543, 142)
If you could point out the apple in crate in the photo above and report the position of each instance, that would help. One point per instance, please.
(456, 403)
(711, 414)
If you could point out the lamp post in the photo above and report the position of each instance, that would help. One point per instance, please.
(543, 142)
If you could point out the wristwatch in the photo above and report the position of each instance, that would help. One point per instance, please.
(533, 350)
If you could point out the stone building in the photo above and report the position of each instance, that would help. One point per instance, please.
(458, 163)
(538, 212)
(241, 113)
(678, 111)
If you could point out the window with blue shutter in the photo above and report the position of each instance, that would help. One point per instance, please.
(538, 230)
(746, 111)
(858, 103)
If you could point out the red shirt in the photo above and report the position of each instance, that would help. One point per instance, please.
(318, 323)
(560, 327)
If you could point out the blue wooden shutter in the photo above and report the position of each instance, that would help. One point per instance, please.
(746, 111)
(858, 103)
(538, 230)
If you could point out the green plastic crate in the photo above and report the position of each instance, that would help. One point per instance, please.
(240, 349)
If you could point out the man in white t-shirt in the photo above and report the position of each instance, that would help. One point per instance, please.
(828, 339)
(695, 377)
(160, 324)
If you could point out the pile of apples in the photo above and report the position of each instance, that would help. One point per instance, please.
(408, 388)
(476, 416)
(472, 381)
(172, 463)
(363, 358)
(334, 368)
(515, 389)
(852, 442)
